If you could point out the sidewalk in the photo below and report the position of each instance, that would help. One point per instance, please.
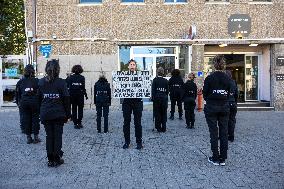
(175, 159)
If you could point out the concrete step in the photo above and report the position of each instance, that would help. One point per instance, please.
(251, 108)
(253, 104)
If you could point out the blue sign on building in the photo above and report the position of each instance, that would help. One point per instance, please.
(200, 74)
(45, 50)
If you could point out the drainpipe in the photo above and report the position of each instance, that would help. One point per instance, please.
(34, 45)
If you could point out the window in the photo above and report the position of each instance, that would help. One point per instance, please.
(175, 1)
(90, 1)
(132, 1)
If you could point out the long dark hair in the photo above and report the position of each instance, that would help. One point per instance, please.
(175, 72)
(219, 62)
(52, 70)
(29, 71)
(77, 69)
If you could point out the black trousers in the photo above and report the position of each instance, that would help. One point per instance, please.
(189, 113)
(30, 118)
(102, 110)
(54, 131)
(160, 106)
(137, 109)
(232, 119)
(179, 105)
(21, 121)
(217, 118)
(77, 103)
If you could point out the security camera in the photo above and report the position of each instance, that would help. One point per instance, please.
(54, 37)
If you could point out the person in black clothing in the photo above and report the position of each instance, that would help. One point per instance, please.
(134, 105)
(28, 100)
(102, 100)
(160, 93)
(189, 97)
(54, 111)
(18, 104)
(216, 93)
(76, 86)
(175, 88)
(233, 99)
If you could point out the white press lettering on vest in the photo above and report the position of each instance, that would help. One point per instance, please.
(52, 96)
(77, 84)
(222, 92)
(29, 89)
(161, 89)
(101, 92)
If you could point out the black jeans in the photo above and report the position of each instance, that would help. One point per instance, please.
(54, 131)
(160, 106)
(102, 110)
(232, 119)
(137, 109)
(77, 106)
(189, 113)
(217, 118)
(179, 105)
(30, 118)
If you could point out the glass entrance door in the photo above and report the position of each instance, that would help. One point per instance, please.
(251, 78)
(12, 68)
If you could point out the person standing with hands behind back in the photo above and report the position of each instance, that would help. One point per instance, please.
(160, 91)
(189, 96)
(134, 105)
(76, 86)
(54, 111)
(216, 91)
(102, 100)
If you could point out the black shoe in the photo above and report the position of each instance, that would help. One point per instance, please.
(188, 127)
(29, 140)
(80, 125)
(37, 139)
(213, 161)
(139, 146)
(76, 127)
(231, 138)
(171, 117)
(126, 146)
(58, 162)
(222, 162)
(50, 164)
(99, 131)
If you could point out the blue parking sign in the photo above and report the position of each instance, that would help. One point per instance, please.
(200, 74)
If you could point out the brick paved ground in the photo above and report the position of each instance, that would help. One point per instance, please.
(176, 159)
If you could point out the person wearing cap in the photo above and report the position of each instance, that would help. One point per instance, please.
(189, 97)
(28, 100)
(216, 94)
(134, 105)
(159, 97)
(102, 100)
(176, 93)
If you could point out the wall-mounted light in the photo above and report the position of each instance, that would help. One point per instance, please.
(253, 45)
(223, 45)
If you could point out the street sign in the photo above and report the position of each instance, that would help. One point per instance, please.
(11, 72)
(199, 74)
(45, 50)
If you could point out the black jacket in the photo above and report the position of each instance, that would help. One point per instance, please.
(76, 85)
(216, 88)
(27, 91)
(102, 92)
(233, 97)
(175, 87)
(189, 91)
(160, 88)
(55, 100)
